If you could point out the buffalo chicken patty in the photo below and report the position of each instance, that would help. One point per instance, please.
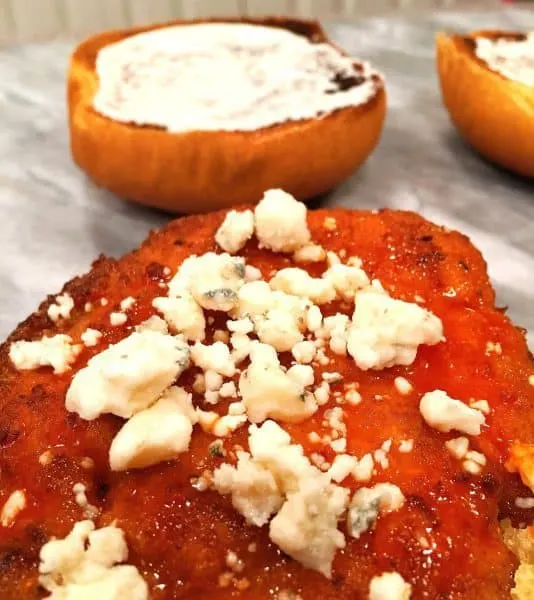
(409, 448)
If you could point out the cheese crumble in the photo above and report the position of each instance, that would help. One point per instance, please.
(91, 337)
(85, 564)
(61, 308)
(57, 352)
(389, 586)
(117, 318)
(12, 507)
(184, 315)
(155, 434)
(280, 222)
(128, 376)
(387, 332)
(235, 231)
(367, 503)
(403, 386)
(444, 413)
(270, 392)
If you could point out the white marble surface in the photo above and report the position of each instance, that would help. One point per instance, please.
(54, 221)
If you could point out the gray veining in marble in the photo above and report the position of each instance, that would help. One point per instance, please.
(55, 222)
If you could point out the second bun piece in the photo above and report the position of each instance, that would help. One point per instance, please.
(193, 116)
(487, 81)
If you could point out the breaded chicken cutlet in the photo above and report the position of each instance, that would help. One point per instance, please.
(260, 433)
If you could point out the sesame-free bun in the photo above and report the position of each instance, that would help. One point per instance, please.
(198, 171)
(494, 114)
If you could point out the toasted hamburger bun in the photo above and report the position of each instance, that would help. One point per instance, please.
(493, 113)
(198, 171)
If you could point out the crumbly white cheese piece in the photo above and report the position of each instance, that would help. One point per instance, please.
(253, 298)
(153, 323)
(304, 352)
(255, 492)
(213, 357)
(57, 352)
(127, 303)
(367, 503)
(117, 318)
(244, 325)
(444, 413)
(90, 337)
(84, 565)
(207, 419)
(213, 380)
(183, 314)
(12, 507)
(474, 461)
(61, 308)
(387, 332)
(278, 318)
(389, 586)
(403, 386)
(252, 273)
(212, 279)
(314, 318)
(80, 497)
(129, 376)
(228, 390)
(155, 434)
(347, 279)
(217, 280)
(481, 405)
(302, 374)
(335, 329)
(268, 391)
(458, 447)
(322, 393)
(309, 253)
(223, 76)
(241, 345)
(298, 282)
(342, 467)
(279, 329)
(271, 446)
(260, 480)
(280, 221)
(334, 324)
(406, 446)
(227, 424)
(305, 528)
(363, 471)
(282, 325)
(510, 58)
(235, 231)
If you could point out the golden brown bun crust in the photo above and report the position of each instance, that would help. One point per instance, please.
(494, 114)
(200, 170)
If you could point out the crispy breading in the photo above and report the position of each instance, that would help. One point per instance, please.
(445, 540)
(521, 543)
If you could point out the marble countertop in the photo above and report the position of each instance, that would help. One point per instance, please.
(55, 221)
